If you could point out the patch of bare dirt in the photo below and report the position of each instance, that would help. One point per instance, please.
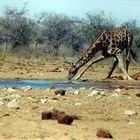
(116, 111)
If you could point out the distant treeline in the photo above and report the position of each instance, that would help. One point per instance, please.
(55, 34)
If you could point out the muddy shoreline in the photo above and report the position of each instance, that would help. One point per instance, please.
(42, 84)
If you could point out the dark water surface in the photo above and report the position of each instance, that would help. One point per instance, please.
(60, 84)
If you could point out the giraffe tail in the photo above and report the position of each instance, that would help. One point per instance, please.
(134, 56)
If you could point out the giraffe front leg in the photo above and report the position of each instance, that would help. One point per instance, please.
(91, 63)
(80, 75)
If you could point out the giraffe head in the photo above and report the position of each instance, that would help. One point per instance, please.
(73, 70)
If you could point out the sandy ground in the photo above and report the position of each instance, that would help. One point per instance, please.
(105, 110)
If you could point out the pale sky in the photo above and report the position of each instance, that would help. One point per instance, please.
(122, 10)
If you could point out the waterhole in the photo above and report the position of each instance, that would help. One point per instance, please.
(61, 84)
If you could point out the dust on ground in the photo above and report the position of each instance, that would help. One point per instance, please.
(106, 110)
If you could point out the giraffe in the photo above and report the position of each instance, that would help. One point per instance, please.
(111, 43)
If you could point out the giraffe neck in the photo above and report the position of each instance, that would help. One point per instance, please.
(91, 51)
(88, 55)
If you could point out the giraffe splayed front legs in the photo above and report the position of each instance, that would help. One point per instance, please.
(117, 60)
(91, 63)
(112, 43)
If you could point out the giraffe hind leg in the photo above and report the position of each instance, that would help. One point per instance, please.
(127, 64)
(121, 66)
(127, 60)
(113, 67)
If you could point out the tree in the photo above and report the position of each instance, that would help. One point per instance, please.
(16, 28)
(60, 30)
(133, 27)
(94, 24)
(37, 35)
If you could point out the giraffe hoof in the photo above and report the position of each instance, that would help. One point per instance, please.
(77, 78)
(106, 78)
(130, 78)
